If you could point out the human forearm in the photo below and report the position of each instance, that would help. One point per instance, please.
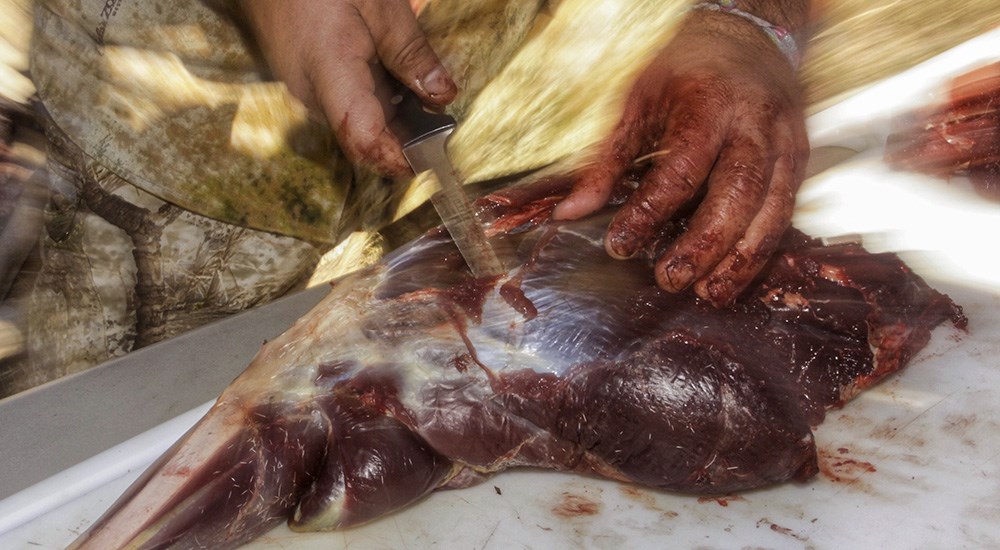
(783, 22)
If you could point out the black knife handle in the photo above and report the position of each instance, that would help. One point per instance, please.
(413, 121)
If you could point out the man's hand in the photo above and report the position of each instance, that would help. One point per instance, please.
(333, 55)
(718, 111)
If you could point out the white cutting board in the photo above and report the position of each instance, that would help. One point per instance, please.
(912, 463)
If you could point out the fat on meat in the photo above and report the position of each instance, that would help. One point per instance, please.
(412, 376)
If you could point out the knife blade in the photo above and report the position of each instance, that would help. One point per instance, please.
(424, 136)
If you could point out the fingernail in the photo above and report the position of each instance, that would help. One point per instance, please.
(679, 274)
(559, 211)
(619, 244)
(437, 83)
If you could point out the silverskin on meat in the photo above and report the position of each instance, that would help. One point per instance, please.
(413, 376)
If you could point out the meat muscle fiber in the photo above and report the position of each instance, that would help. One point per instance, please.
(960, 137)
(412, 376)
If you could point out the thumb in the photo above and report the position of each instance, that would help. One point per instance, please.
(405, 51)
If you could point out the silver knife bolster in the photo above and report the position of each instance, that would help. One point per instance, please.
(429, 151)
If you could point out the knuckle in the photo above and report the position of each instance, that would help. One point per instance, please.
(768, 107)
(745, 179)
(680, 171)
(410, 52)
(641, 214)
(711, 88)
(753, 255)
(780, 204)
(711, 242)
(639, 217)
(688, 125)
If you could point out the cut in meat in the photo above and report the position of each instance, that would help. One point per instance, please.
(412, 375)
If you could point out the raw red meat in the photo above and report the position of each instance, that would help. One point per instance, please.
(413, 376)
(959, 137)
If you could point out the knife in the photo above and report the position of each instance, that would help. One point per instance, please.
(424, 136)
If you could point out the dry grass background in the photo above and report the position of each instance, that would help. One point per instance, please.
(858, 42)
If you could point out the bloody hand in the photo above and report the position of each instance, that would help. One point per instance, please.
(333, 55)
(718, 110)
